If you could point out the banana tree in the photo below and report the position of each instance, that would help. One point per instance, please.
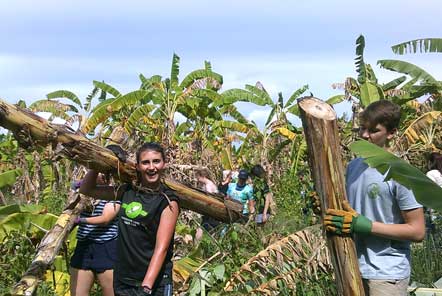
(421, 83)
(150, 111)
(276, 126)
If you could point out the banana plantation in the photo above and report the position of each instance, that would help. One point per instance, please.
(201, 126)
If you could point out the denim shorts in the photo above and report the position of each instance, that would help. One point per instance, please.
(97, 257)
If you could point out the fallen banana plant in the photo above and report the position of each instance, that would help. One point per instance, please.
(301, 256)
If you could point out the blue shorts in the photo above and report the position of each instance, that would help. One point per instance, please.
(97, 257)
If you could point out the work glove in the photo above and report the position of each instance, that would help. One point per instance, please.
(118, 151)
(346, 221)
(79, 220)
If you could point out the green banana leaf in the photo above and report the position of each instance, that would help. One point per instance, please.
(425, 190)
(200, 74)
(296, 94)
(15, 208)
(394, 83)
(418, 45)
(26, 222)
(175, 70)
(369, 93)
(9, 177)
(64, 94)
(107, 88)
(407, 68)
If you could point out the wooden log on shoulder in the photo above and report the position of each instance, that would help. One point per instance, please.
(32, 130)
(321, 132)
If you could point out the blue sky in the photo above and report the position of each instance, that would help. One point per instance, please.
(50, 45)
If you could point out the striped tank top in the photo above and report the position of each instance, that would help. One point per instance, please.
(94, 232)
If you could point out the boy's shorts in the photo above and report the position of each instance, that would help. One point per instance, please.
(386, 287)
(97, 257)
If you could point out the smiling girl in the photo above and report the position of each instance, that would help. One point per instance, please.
(148, 216)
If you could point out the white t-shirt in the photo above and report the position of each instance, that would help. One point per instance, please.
(379, 258)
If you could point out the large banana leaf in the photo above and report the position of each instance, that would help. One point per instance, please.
(129, 99)
(407, 68)
(108, 107)
(98, 116)
(259, 92)
(335, 99)
(359, 60)
(64, 94)
(207, 93)
(272, 113)
(200, 74)
(369, 93)
(231, 125)
(15, 208)
(394, 83)
(233, 111)
(141, 113)
(26, 222)
(421, 45)
(296, 94)
(90, 96)
(107, 88)
(55, 107)
(175, 70)
(9, 177)
(239, 95)
(425, 190)
(102, 103)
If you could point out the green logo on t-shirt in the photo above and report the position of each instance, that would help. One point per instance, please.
(134, 209)
(373, 190)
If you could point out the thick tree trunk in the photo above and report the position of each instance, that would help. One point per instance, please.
(50, 245)
(321, 132)
(31, 130)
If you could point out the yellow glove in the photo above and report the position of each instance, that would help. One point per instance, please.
(346, 221)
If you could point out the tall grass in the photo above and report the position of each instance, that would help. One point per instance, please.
(426, 262)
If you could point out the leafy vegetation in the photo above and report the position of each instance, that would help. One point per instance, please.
(212, 132)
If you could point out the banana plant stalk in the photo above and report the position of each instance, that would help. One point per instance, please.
(31, 130)
(321, 133)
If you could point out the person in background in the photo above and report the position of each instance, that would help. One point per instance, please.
(383, 216)
(261, 191)
(242, 192)
(435, 174)
(435, 168)
(95, 253)
(207, 185)
(224, 185)
(147, 218)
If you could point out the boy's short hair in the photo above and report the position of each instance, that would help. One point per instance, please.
(382, 112)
